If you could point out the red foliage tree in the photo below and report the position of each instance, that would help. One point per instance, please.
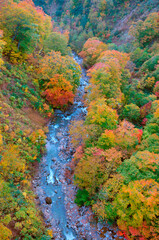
(59, 91)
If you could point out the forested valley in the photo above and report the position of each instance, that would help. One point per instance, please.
(115, 164)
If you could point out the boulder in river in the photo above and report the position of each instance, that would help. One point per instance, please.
(48, 200)
(54, 159)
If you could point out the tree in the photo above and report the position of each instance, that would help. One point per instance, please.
(127, 136)
(156, 89)
(89, 173)
(146, 31)
(106, 140)
(145, 109)
(137, 208)
(5, 233)
(151, 143)
(107, 78)
(7, 203)
(131, 112)
(25, 28)
(104, 207)
(142, 165)
(1, 139)
(92, 49)
(95, 167)
(84, 134)
(101, 114)
(54, 63)
(122, 58)
(109, 74)
(56, 42)
(59, 91)
(12, 165)
(2, 43)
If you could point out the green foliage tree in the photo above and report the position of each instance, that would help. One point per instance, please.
(101, 114)
(146, 31)
(56, 42)
(151, 143)
(89, 173)
(54, 63)
(131, 112)
(24, 26)
(142, 165)
(106, 140)
(95, 167)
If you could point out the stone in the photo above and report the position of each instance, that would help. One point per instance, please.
(79, 225)
(48, 200)
(69, 169)
(36, 197)
(68, 181)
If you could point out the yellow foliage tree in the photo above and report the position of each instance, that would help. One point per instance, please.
(12, 165)
(5, 233)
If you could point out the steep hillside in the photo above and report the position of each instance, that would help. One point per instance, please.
(107, 19)
(37, 74)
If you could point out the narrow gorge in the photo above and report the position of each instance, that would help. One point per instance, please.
(67, 220)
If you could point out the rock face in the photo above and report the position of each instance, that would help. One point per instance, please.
(48, 200)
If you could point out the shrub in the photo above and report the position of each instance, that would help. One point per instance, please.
(82, 197)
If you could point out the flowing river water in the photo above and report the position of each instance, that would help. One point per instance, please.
(67, 220)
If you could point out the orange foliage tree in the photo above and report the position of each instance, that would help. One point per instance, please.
(59, 77)
(59, 91)
(127, 137)
(91, 51)
(54, 63)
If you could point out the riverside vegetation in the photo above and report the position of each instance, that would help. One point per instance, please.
(117, 147)
(35, 77)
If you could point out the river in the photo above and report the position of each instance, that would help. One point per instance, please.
(67, 220)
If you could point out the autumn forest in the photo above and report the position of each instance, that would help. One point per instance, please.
(114, 164)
